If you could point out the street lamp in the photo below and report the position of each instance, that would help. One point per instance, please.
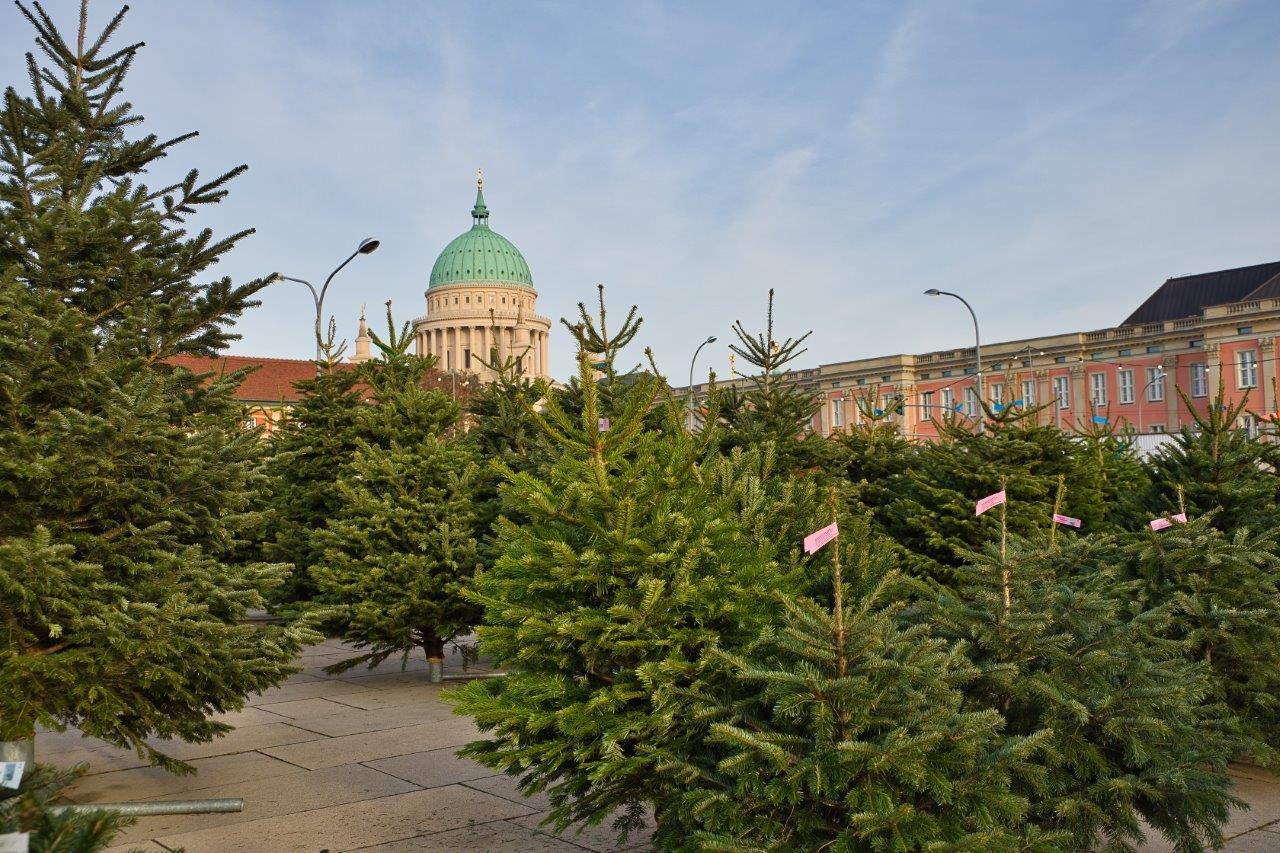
(977, 343)
(367, 246)
(709, 340)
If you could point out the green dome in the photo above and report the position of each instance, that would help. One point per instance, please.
(481, 255)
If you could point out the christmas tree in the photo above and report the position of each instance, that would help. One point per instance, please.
(31, 808)
(127, 482)
(403, 540)
(635, 558)
(857, 736)
(1062, 646)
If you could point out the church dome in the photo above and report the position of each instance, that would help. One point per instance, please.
(481, 255)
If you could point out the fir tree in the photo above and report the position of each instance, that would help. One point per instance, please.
(1214, 465)
(1223, 591)
(127, 482)
(30, 808)
(858, 737)
(315, 439)
(635, 559)
(1135, 733)
(402, 543)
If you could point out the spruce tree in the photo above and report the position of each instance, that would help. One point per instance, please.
(31, 809)
(127, 482)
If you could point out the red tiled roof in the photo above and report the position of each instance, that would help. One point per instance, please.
(271, 383)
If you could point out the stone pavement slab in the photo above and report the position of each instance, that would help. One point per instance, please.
(354, 825)
(365, 761)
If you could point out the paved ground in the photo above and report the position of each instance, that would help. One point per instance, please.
(364, 761)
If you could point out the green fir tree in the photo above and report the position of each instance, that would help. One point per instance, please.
(128, 483)
(403, 540)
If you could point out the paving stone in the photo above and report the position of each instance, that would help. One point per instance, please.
(353, 825)
(302, 790)
(248, 716)
(137, 847)
(243, 739)
(505, 786)
(301, 709)
(1253, 842)
(432, 768)
(350, 721)
(602, 838)
(101, 757)
(303, 690)
(369, 746)
(499, 835)
(149, 782)
(1263, 797)
(387, 697)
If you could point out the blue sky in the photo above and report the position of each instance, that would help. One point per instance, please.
(1051, 161)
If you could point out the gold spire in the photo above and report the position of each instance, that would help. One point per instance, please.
(479, 179)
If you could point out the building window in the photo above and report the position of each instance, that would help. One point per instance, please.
(1125, 352)
(1250, 425)
(1157, 427)
(1125, 379)
(1062, 390)
(1155, 384)
(466, 359)
(1028, 392)
(888, 402)
(888, 377)
(1244, 330)
(1097, 356)
(946, 373)
(997, 393)
(837, 413)
(1196, 344)
(1026, 362)
(1098, 389)
(971, 401)
(926, 406)
(1248, 364)
(1059, 359)
(948, 400)
(1154, 348)
(1199, 380)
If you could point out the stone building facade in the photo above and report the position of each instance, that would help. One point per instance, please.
(481, 305)
(1194, 333)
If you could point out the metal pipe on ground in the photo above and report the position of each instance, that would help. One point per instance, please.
(163, 807)
(468, 676)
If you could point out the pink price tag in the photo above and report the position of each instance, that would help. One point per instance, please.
(1066, 519)
(818, 538)
(989, 501)
(1181, 518)
(1160, 523)
(603, 425)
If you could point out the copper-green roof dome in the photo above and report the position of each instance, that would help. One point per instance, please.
(481, 255)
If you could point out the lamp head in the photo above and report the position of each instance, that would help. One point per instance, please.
(711, 339)
(933, 291)
(368, 245)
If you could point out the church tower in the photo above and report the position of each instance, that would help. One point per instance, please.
(481, 305)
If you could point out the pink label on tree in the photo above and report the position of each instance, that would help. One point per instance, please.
(1181, 518)
(989, 501)
(1066, 519)
(818, 538)
(1160, 523)
(603, 425)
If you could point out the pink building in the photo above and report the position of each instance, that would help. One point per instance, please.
(1192, 332)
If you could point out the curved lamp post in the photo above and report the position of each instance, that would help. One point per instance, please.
(977, 344)
(709, 340)
(367, 246)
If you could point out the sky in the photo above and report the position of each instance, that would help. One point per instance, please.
(1052, 162)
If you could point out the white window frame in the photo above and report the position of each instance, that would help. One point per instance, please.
(1098, 390)
(1124, 383)
(926, 405)
(1155, 384)
(971, 401)
(1062, 391)
(949, 401)
(1249, 424)
(1199, 380)
(1028, 392)
(1247, 374)
(997, 392)
(837, 413)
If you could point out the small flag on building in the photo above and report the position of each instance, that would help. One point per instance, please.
(878, 412)
(1066, 520)
(818, 538)
(989, 501)
(603, 425)
(997, 407)
(1099, 419)
(1019, 402)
